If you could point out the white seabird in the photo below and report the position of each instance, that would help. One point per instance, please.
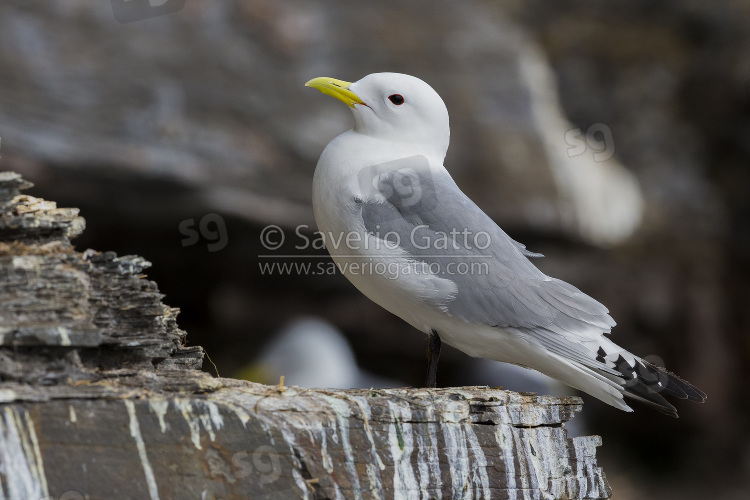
(310, 352)
(406, 236)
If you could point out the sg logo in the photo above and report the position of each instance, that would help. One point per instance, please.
(211, 227)
(598, 138)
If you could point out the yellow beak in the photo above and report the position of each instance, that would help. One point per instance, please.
(336, 88)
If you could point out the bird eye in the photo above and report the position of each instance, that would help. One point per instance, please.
(396, 99)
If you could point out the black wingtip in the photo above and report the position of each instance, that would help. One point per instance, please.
(649, 383)
(670, 412)
(676, 386)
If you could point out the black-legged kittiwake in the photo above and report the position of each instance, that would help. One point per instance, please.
(406, 236)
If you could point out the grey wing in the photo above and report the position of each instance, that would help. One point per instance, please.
(497, 284)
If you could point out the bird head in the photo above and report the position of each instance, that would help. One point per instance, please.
(393, 107)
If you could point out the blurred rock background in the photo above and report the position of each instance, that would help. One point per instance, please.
(614, 137)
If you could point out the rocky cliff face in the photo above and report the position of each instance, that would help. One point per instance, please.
(68, 316)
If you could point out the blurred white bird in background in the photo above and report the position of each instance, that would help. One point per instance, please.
(310, 352)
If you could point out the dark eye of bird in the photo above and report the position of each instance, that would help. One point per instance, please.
(396, 99)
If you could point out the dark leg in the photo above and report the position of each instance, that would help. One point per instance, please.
(433, 355)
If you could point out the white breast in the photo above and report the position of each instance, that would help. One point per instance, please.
(383, 273)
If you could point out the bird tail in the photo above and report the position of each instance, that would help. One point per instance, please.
(649, 383)
(635, 379)
(608, 372)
